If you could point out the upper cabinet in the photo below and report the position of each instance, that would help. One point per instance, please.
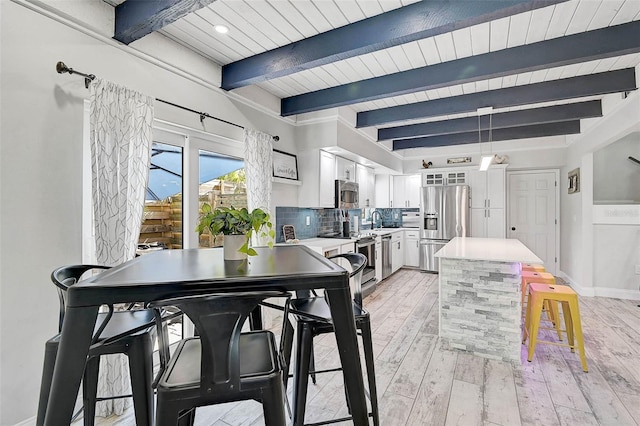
(487, 188)
(406, 191)
(488, 202)
(318, 176)
(318, 179)
(383, 188)
(366, 181)
(327, 178)
(345, 169)
(444, 177)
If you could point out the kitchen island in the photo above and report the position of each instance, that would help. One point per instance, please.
(480, 304)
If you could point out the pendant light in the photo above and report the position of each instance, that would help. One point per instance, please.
(485, 160)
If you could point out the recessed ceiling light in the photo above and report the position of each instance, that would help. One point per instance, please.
(221, 29)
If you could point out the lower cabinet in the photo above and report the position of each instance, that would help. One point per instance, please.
(378, 260)
(412, 248)
(347, 248)
(397, 251)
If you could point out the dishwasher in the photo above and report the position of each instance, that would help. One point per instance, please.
(386, 256)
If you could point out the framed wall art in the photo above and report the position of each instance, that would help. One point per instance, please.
(574, 181)
(285, 165)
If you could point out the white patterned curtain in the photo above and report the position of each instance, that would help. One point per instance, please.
(120, 138)
(258, 168)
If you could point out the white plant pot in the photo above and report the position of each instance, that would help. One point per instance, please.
(232, 244)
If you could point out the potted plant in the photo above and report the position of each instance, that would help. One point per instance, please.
(237, 226)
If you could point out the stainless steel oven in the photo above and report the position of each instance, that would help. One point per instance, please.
(367, 247)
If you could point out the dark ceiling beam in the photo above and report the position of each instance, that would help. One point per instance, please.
(525, 117)
(548, 91)
(511, 133)
(582, 47)
(403, 25)
(137, 18)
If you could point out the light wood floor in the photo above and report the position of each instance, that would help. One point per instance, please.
(420, 383)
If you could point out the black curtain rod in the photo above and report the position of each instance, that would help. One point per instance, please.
(61, 68)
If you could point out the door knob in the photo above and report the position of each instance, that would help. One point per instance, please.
(513, 228)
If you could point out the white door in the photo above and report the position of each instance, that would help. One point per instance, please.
(532, 216)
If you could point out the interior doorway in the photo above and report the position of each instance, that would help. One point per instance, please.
(533, 213)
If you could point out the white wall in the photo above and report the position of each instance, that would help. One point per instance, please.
(594, 261)
(41, 169)
(616, 179)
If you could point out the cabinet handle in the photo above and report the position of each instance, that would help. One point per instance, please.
(488, 213)
(417, 244)
(489, 203)
(513, 228)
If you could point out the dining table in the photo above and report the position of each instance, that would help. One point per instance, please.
(184, 272)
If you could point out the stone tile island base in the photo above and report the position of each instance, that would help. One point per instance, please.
(480, 307)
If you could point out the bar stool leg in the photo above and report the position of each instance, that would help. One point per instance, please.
(552, 305)
(367, 342)
(568, 323)
(527, 319)
(301, 376)
(577, 329)
(536, 311)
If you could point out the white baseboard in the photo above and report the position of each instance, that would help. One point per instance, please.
(615, 293)
(31, 421)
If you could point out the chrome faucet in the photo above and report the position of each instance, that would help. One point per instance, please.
(373, 213)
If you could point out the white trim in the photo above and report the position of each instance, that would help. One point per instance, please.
(286, 181)
(614, 293)
(557, 212)
(31, 421)
(615, 214)
(582, 291)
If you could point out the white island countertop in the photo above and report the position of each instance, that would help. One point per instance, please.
(490, 249)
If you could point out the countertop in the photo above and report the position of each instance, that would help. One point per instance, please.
(330, 243)
(490, 249)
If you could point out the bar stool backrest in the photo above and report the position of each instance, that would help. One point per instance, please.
(65, 277)
(218, 319)
(355, 262)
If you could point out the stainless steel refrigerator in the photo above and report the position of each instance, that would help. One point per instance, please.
(444, 215)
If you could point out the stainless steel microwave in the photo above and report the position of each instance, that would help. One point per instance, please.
(346, 194)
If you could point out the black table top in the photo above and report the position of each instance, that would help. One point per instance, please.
(170, 273)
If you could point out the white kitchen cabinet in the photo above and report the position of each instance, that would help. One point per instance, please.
(347, 248)
(318, 177)
(488, 195)
(444, 177)
(383, 189)
(487, 188)
(406, 191)
(488, 223)
(397, 251)
(327, 180)
(366, 182)
(412, 248)
(345, 169)
(378, 259)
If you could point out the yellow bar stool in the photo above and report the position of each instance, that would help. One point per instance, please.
(538, 294)
(551, 308)
(532, 267)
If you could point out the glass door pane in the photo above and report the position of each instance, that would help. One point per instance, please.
(162, 221)
(222, 183)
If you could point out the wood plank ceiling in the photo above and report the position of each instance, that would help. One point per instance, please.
(519, 55)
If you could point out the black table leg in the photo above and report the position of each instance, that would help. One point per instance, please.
(345, 328)
(255, 318)
(72, 355)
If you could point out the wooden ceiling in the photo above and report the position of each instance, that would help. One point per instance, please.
(400, 62)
